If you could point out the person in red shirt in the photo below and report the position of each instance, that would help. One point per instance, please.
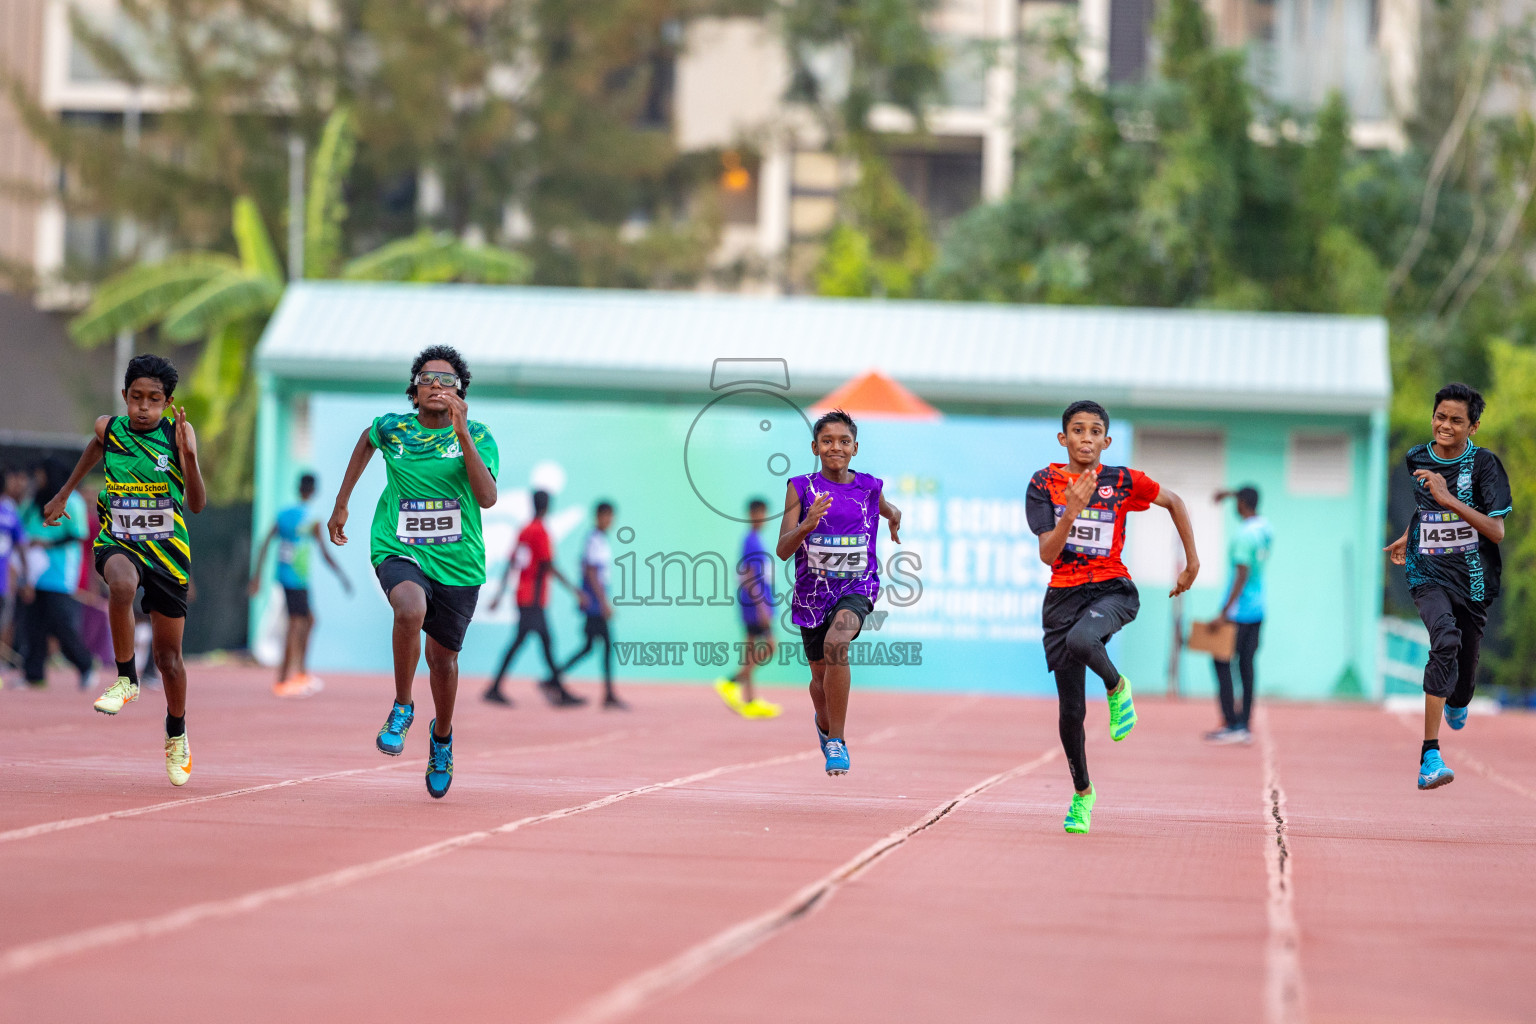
(1078, 509)
(534, 558)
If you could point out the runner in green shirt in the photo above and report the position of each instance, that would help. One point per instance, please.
(153, 479)
(426, 543)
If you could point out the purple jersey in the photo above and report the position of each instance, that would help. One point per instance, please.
(838, 558)
(12, 539)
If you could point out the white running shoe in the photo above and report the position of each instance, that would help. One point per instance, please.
(124, 691)
(178, 759)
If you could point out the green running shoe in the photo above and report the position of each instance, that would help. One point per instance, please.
(1122, 713)
(1080, 812)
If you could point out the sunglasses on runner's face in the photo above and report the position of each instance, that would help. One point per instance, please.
(426, 378)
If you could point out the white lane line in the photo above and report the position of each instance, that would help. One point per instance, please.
(48, 827)
(35, 954)
(739, 939)
(1411, 723)
(1284, 994)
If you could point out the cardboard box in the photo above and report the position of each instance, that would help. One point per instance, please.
(1219, 640)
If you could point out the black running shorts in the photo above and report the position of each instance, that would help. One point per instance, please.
(449, 609)
(162, 594)
(815, 637)
(1111, 603)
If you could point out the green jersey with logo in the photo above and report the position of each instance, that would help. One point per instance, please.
(141, 506)
(428, 511)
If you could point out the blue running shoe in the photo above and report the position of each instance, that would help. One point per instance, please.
(837, 757)
(392, 737)
(1456, 718)
(1432, 771)
(821, 737)
(439, 763)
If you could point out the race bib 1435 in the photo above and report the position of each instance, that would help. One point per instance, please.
(1445, 533)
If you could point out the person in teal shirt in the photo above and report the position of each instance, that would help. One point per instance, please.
(56, 552)
(1248, 555)
(295, 530)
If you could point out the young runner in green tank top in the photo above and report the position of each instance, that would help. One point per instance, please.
(425, 542)
(153, 480)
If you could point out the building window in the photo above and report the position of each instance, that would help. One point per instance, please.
(1318, 464)
(945, 183)
(1130, 28)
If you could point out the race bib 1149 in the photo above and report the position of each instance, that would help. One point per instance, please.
(141, 519)
(435, 521)
(1445, 533)
(1092, 532)
(838, 556)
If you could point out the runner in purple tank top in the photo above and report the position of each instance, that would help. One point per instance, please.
(831, 519)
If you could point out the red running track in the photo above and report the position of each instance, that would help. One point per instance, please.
(680, 864)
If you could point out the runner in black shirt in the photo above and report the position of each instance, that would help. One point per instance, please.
(1451, 550)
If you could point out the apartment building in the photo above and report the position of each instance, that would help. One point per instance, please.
(780, 183)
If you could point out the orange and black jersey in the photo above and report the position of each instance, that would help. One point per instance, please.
(1092, 551)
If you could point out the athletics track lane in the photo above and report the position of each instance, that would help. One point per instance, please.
(991, 912)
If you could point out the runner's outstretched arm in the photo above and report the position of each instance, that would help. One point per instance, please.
(892, 513)
(361, 453)
(1397, 551)
(1175, 506)
(88, 459)
(192, 476)
(346, 584)
(261, 559)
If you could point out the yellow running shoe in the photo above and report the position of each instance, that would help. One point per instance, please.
(124, 691)
(760, 708)
(730, 693)
(178, 759)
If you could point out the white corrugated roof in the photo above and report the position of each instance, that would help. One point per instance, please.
(945, 352)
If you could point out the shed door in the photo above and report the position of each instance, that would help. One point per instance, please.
(1193, 464)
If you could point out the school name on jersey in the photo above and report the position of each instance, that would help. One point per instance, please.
(123, 487)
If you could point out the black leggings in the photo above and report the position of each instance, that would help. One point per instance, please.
(1085, 650)
(597, 629)
(530, 621)
(1247, 647)
(1455, 623)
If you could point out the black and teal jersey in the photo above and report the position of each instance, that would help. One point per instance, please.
(1443, 549)
(142, 504)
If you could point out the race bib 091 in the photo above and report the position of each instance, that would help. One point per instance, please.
(436, 521)
(838, 556)
(141, 519)
(1445, 533)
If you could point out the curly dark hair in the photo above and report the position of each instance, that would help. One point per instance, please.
(448, 354)
(155, 368)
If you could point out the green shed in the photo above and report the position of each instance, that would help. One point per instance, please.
(602, 394)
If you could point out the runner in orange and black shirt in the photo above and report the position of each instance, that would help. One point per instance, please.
(1078, 509)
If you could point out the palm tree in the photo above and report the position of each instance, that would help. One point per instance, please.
(227, 300)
